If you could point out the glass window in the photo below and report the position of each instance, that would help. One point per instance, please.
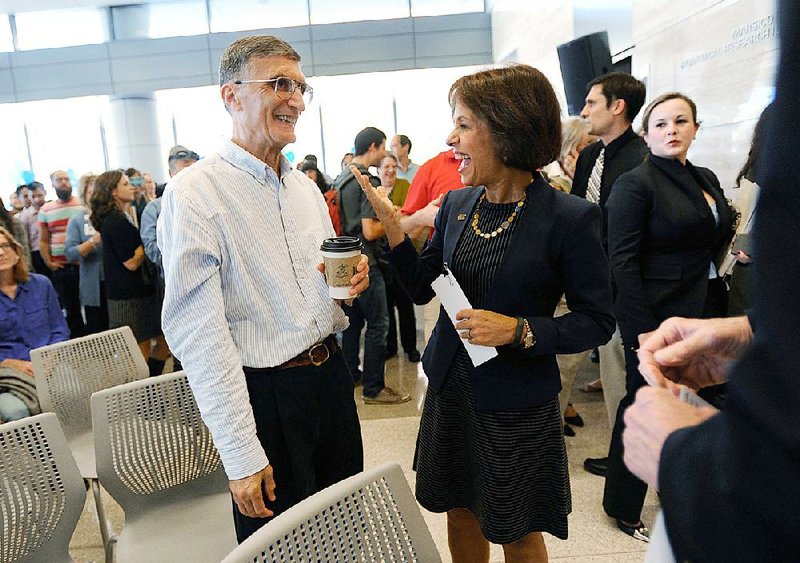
(65, 134)
(444, 7)
(60, 28)
(241, 15)
(325, 11)
(14, 166)
(6, 40)
(177, 19)
(192, 117)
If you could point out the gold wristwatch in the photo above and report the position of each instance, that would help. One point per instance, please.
(530, 338)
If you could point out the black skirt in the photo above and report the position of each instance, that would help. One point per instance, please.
(507, 468)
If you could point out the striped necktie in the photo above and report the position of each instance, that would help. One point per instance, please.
(593, 188)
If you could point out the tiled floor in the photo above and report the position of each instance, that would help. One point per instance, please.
(389, 434)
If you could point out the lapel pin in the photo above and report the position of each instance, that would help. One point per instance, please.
(461, 216)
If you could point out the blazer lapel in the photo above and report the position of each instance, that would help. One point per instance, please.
(455, 226)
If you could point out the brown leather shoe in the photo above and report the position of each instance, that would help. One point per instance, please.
(387, 396)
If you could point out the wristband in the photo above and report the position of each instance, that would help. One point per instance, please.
(518, 333)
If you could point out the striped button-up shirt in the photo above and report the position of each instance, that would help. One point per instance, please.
(240, 248)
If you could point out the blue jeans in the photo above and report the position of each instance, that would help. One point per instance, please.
(12, 408)
(370, 307)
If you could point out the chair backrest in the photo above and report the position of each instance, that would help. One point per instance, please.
(41, 491)
(67, 373)
(372, 516)
(150, 440)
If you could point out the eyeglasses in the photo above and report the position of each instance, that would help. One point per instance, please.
(285, 87)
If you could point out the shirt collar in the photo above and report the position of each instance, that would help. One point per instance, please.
(620, 142)
(243, 160)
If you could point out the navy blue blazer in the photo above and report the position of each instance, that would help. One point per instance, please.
(555, 249)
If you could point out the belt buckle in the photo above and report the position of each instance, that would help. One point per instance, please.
(315, 348)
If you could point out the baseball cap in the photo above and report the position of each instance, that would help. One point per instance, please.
(179, 152)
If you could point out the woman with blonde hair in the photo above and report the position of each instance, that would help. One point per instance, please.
(575, 137)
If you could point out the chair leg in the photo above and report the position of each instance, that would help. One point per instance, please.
(101, 517)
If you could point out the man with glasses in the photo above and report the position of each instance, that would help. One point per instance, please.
(246, 309)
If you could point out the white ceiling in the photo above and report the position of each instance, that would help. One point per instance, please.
(15, 6)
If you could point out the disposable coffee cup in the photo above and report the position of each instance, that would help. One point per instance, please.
(341, 256)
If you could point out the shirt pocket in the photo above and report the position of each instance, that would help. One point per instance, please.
(36, 318)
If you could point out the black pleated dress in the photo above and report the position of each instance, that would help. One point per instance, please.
(508, 468)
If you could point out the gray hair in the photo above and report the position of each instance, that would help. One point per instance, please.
(237, 56)
(572, 131)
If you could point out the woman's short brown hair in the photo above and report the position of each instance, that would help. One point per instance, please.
(665, 98)
(21, 268)
(519, 106)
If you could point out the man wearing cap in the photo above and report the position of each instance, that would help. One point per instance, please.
(179, 158)
(246, 308)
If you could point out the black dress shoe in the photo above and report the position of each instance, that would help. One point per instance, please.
(596, 465)
(576, 420)
(413, 356)
(637, 532)
(569, 431)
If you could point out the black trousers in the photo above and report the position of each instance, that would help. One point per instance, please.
(306, 420)
(624, 493)
(97, 317)
(39, 266)
(67, 284)
(623, 496)
(397, 298)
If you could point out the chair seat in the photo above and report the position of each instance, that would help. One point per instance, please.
(82, 447)
(193, 529)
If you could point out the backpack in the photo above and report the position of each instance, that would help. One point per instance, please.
(332, 199)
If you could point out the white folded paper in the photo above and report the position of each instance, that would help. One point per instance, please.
(453, 300)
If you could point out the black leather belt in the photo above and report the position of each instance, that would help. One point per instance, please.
(317, 355)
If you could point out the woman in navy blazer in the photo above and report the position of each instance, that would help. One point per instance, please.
(490, 450)
(668, 225)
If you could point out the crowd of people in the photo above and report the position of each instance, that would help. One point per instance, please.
(564, 237)
(76, 266)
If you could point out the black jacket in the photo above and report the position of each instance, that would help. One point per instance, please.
(730, 488)
(555, 249)
(623, 154)
(662, 238)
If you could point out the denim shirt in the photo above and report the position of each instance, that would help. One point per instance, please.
(31, 320)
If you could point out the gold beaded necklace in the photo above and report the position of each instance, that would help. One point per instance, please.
(503, 226)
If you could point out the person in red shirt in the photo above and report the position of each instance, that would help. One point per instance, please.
(435, 178)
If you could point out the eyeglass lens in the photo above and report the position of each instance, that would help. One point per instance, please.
(287, 86)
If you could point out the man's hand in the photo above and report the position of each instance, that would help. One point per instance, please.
(19, 365)
(427, 215)
(486, 328)
(692, 352)
(358, 283)
(248, 493)
(655, 415)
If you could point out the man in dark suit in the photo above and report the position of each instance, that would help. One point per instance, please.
(729, 481)
(612, 103)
